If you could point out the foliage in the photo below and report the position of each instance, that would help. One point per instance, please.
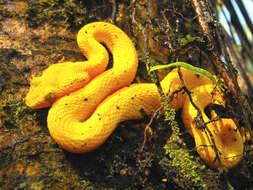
(179, 156)
(71, 12)
(193, 69)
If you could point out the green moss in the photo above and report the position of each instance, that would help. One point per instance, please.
(188, 38)
(14, 111)
(71, 12)
(180, 159)
(178, 154)
(4, 13)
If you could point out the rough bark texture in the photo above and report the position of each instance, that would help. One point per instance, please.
(35, 34)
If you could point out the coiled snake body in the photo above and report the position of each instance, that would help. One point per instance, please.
(88, 102)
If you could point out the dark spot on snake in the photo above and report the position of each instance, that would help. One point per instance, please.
(98, 114)
(132, 98)
(90, 127)
(66, 104)
(142, 110)
(99, 118)
(117, 107)
(85, 32)
(83, 145)
(85, 99)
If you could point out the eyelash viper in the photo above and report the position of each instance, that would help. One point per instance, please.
(88, 102)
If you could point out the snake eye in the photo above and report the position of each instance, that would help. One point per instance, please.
(50, 97)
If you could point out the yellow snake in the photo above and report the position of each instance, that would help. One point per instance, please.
(88, 102)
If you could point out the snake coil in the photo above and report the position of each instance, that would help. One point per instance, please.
(88, 102)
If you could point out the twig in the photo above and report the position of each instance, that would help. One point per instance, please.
(148, 128)
(114, 10)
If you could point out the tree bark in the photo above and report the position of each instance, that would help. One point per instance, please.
(36, 34)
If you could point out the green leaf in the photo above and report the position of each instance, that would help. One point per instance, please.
(193, 69)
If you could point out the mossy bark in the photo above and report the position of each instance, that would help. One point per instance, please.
(35, 34)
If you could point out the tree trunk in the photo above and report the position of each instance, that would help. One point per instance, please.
(36, 34)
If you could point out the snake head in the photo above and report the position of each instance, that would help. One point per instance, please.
(56, 81)
(39, 95)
